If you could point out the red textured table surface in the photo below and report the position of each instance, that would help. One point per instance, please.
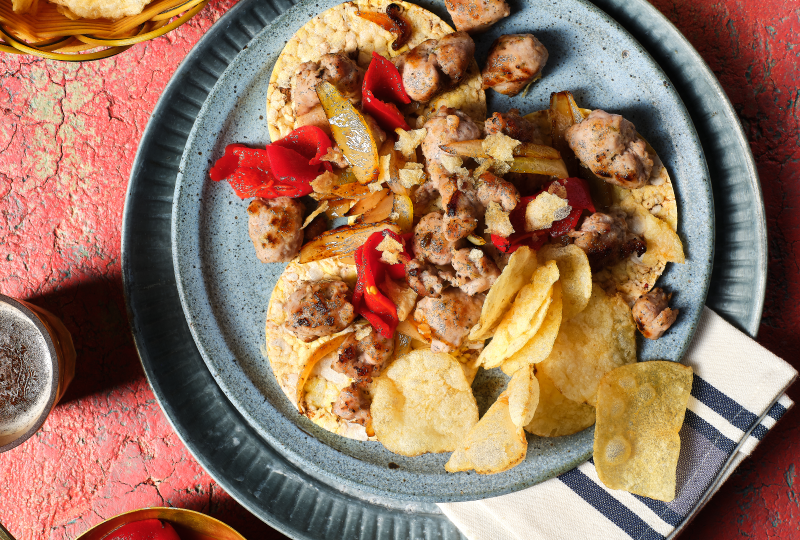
(68, 136)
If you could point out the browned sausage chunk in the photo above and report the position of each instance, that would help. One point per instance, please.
(476, 15)
(353, 404)
(652, 314)
(429, 241)
(609, 146)
(513, 125)
(449, 318)
(514, 61)
(362, 360)
(275, 228)
(319, 309)
(606, 240)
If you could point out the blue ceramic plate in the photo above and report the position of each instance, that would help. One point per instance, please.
(225, 290)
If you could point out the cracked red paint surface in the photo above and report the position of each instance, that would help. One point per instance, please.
(68, 135)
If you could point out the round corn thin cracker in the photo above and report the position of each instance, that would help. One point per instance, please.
(340, 30)
(289, 355)
(640, 411)
(557, 416)
(423, 403)
(597, 340)
(632, 277)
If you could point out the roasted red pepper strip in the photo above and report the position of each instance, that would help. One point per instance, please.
(308, 141)
(578, 198)
(147, 529)
(368, 299)
(247, 170)
(382, 91)
(292, 169)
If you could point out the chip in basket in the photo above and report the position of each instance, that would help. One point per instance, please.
(597, 340)
(640, 410)
(423, 403)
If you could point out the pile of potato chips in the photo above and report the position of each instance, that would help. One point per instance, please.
(570, 349)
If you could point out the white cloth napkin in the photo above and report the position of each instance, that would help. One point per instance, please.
(737, 396)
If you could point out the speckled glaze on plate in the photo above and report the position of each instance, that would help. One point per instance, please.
(225, 290)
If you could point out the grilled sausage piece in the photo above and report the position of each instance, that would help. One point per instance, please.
(609, 146)
(318, 309)
(476, 15)
(449, 318)
(514, 61)
(274, 226)
(606, 240)
(652, 315)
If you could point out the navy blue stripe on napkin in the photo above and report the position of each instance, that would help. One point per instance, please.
(619, 514)
(776, 411)
(759, 432)
(723, 405)
(709, 432)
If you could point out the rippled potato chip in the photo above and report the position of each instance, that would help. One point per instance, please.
(523, 320)
(640, 411)
(423, 403)
(494, 445)
(557, 416)
(575, 276)
(523, 396)
(515, 275)
(597, 340)
(539, 346)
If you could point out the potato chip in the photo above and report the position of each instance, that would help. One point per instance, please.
(557, 416)
(408, 141)
(539, 346)
(516, 274)
(600, 338)
(523, 396)
(575, 276)
(523, 320)
(494, 445)
(640, 411)
(423, 403)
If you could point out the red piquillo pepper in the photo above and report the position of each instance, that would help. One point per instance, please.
(382, 91)
(578, 198)
(368, 299)
(146, 529)
(284, 168)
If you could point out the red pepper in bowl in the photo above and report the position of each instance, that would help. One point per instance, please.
(382, 91)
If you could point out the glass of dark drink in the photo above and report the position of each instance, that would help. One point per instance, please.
(37, 363)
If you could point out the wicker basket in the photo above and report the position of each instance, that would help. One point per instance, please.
(49, 34)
